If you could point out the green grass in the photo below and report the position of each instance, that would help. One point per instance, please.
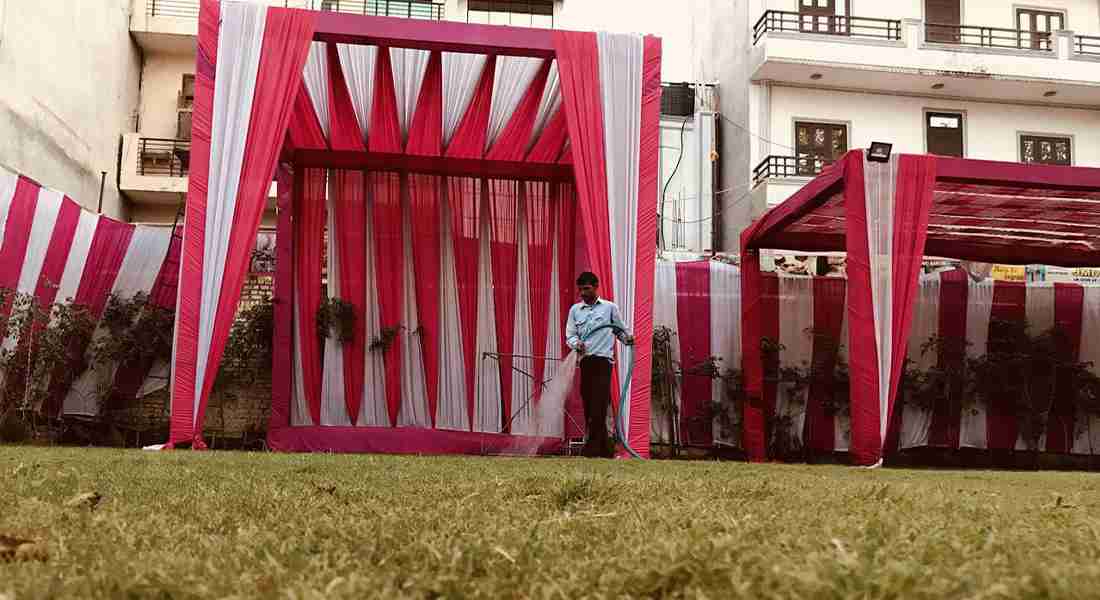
(221, 524)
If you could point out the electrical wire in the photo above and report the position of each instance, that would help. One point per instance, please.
(664, 192)
(755, 135)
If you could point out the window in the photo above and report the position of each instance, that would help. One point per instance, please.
(187, 92)
(1036, 26)
(1046, 150)
(518, 13)
(817, 145)
(817, 16)
(944, 133)
(942, 18)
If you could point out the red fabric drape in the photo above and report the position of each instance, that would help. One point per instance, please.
(769, 363)
(582, 102)
(309, 236)
(514, 139)
(426, 139)
(184, 368)
(646, 243)
(693, 321)
(829, 293)
(350, 204)
(282, 361)
(541, 198)
(504, 244)
(548, 148)
(17, 234)
(387, 226)
(1010, 306)
(912, 201)
(947, 414)
(468, 140)
(566, 253)
(57, 254)
(751, 335)
(464, 199)
(1068, 303)
(866, 445)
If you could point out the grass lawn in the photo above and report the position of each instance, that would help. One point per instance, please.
(222, 524)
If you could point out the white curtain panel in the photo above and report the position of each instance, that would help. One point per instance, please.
(358, 64)
(551, 423)
(842, 425)
(523, 387)
(796, 307)
(78, 256)
(621, 57)
(45, 218)
(300, 415)
(881, 180)
(451, 411)
(915, 423)
(972, 429)
(315, 76)
(513, 76)
(549, 105)
(1086, 428)
(240, 40)
(8, 181)
(409, 66)
(461, 72)
(487, 408)
(1039, 312)
(725, 328)
(373, 412)
(334, 408)
(665, 315)
(414, 396)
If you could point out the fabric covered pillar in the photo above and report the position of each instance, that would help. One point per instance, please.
(248, 70)
(887, 206)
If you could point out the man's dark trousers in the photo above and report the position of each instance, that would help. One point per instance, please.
(596, 393)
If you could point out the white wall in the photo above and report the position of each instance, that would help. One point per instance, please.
(1082, 16)
(990, 129)
(162, 77)
(70, 89)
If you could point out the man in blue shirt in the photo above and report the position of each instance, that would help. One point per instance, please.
(597, 354)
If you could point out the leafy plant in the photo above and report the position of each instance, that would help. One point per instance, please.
(336, 318)
(248, 352)
(385, 338)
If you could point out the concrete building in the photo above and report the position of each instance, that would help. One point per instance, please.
(987, 79)
(71, 79)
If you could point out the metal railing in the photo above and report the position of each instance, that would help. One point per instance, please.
(163, 157)
(773, 167)
(842, 25)
(413, 9)
(988, 37)
(1086, 44)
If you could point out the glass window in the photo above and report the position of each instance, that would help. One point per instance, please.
(517, 13)
(1046, 150)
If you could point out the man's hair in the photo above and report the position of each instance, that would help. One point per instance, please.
(588, 278)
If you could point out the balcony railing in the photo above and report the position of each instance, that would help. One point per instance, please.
(412, 9)
(161, 157)
(774, 167)
(1086, 44)
(842, 25)
(988, 37)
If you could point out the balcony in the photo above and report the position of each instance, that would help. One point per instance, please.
(777, 177)
(171, 25)
(909, 56)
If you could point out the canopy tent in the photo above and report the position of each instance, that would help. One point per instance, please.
(444, 163)
(887, 216)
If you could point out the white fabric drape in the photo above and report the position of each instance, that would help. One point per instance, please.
(1039, 312)
(8, 181)
(451, 411)
(514, 75)
(842, 425)
(972, 429)
(45, 218)
(373, 412)
(621, 57)
(552, 419)
(881, 179)
(662, 424)
(725, 332)
(78, 256)
(334, 408)
(240, 40)
(1086, 428)
(796, 305)
(414, 395)
(550, 103)
(300, 414)
(358, 64)
(523, 387)
(461, 73)
(409, 66)
(915, 422)
(487, 408)
(315, 76)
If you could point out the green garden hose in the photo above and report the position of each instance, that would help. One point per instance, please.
(619, 436)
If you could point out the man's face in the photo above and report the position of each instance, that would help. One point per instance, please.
(588, 292)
